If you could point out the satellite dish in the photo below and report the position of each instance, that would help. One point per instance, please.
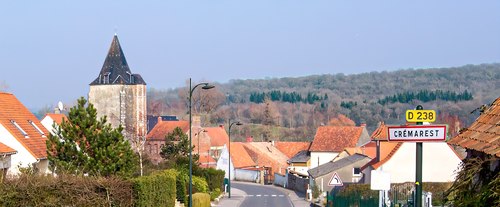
(60, 106)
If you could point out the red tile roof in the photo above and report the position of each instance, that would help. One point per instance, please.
(335, 138)
(57, 118)
(484, 134)
(387, 150)
(218, 136)
(380, 133)
(240, 156)
(290, 149)
(369, 149)
(265, 155)
(161, 129)
(4, 149)
(12, 109)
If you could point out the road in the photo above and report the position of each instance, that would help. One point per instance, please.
(262, 196)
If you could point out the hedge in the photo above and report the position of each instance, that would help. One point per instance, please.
(214, 178)
(201, 200)
(66, 190)
(158, 189)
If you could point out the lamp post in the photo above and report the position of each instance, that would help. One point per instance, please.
(229, 174)
(205, 86)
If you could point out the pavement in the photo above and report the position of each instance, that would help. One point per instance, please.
(238, 196)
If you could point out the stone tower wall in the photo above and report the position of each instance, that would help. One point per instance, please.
(122, 104)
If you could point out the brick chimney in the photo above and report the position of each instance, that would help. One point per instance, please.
(221, 126)
(362, 125)
(250, 139)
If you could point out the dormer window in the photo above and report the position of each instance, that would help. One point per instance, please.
(36, 127)
(19, 128)
(106, 77)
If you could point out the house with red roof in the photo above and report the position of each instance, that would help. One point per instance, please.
(398, 159)
(329, 141)
(156, 137)
(53, 119)
(5, 160)
(21, 131)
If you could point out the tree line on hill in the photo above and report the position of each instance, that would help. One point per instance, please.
(297, 106)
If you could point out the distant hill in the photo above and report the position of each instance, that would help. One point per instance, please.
(301, 104)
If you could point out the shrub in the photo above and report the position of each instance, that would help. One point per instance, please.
(158, 189)
(214, 178)
(200, 185)
(215, 194)
(201, 200)
(66, 190)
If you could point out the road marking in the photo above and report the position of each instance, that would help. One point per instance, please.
(273, 195)
(259, 195)
(266, 195)
(250, 195)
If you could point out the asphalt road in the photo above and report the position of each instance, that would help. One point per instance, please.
(262, 196)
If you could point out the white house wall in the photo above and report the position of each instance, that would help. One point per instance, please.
(438, 165)
(22, 158)
(47, 123)
(321, 158)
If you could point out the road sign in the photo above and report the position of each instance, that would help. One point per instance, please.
(418, 133)
(335, 180)
(420, 115)
(380, 180)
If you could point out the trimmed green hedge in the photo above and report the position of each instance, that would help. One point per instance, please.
(201, 200)
(158, 189)
(199, 185)
(214, 178)
(65, 190)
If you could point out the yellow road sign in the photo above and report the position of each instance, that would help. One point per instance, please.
(420, 115)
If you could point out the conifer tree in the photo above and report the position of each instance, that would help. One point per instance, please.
(176, 148)
(84, 144)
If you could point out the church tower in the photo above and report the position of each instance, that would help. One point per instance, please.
(119, 94)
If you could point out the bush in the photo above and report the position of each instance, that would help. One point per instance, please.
(201, 200)
(66, 190)
(182, 184)
(158, 189)
(200, 185)
(214, 178)
(215, 194)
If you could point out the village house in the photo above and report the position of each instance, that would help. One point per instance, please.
(329, 141)
(53, 119)
(482, 141)
(344, 170)
(156, 138)
(21, 132)
(440, 160)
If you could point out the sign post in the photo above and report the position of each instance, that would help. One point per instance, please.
(335, 180)
(418, 173)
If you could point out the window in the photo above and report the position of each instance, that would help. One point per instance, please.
(19, 128)
(356, 171)
(36, 127)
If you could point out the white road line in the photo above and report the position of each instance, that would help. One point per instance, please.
(273, 195)
(259, 195)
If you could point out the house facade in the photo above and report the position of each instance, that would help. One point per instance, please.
(156, 138)
(21, 131)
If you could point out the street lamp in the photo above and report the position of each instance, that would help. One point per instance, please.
(205, 86)
(229, 180)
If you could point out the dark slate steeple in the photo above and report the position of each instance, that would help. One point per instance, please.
(115, 69)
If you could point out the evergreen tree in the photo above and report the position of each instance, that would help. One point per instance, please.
(176, 148)
(84, 144)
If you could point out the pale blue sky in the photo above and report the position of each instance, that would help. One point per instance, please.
(52, 50)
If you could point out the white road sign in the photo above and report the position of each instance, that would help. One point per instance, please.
(417, 133)
(335, 180)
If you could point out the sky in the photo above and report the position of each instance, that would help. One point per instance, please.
(51, 50)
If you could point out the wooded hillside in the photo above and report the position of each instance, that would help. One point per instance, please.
(292, 108)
